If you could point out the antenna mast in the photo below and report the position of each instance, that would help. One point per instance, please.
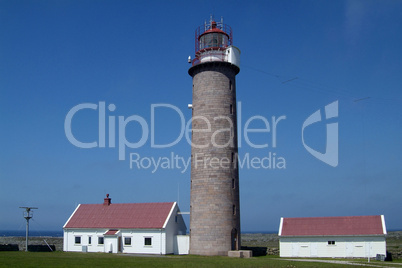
(27, 215)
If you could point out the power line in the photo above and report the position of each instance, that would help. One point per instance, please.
(314, 86)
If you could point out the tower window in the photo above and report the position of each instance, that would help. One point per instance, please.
(233, 183)
(230, 85)
(234, 209)
(231, 109)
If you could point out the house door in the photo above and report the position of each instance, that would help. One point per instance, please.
(369, 250)
(295, 249)
(314, 249)
(234, 239)
(349, 249)
(119, 244)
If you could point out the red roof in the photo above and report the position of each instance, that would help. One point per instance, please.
(333, 226)
(116, 216)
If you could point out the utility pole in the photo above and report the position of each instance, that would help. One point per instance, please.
(27, 215)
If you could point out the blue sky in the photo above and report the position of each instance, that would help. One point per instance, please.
(55, 55)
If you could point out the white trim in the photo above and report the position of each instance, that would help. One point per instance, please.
(384, 229)
(280, 227)
(170, 214)
(71, 215)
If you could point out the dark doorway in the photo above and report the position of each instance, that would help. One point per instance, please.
(234, 236)
(119, 243)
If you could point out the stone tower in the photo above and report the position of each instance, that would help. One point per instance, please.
(214, 206)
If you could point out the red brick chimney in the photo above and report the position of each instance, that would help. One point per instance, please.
(107, 201)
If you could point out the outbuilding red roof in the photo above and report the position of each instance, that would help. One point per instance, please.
(333, 226)
(117, 216)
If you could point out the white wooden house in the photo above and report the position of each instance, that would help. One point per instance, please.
(145, 228)
(339, 237)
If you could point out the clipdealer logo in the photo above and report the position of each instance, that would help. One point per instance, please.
(174, 161)
(330, 156)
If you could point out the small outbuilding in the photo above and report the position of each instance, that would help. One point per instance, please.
(339, 237)
(144, 228)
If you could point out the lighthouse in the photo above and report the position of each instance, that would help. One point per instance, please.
(215, 204)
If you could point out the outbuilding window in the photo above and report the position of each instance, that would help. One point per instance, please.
(100, 240)
(89, 240)
(331, 242)
(148, 241)
(77, 240)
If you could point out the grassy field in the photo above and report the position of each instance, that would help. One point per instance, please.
(71, 259)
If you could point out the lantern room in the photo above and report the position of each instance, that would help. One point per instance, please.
(213, 38)
(213, 42)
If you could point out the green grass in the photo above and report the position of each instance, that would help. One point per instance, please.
(73, 259)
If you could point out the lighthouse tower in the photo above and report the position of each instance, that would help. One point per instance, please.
(214, 206)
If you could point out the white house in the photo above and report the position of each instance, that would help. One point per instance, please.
(340, 237)
(146, 228)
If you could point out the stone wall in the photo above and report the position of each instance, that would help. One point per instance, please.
(20, 241)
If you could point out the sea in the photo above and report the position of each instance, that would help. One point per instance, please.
(60, 233)
(32, 233)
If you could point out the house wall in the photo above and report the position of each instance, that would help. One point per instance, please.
(174, 226)
(353, 246)
(70, 245)
(137, 241)
(182, 244)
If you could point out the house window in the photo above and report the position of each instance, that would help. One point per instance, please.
(148, 241)
(331, 242)
(89, 240)
(127, 241)
(77, 240)
(100, 240)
